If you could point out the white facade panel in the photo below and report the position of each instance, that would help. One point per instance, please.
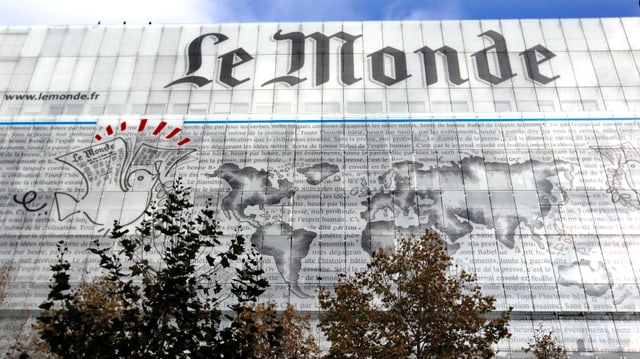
(515, 139)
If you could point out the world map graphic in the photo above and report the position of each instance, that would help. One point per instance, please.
(411, 189)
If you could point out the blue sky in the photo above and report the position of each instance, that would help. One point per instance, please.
(61, 12)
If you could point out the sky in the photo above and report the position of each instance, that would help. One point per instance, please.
(87, 12)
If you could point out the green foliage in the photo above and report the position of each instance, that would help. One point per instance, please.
(161, 296)
(544, 346)
(407, 304)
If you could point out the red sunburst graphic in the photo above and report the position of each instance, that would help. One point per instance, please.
(142, 126)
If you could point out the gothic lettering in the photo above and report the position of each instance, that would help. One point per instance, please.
(387, 66)
(229, 62)
(452, 65)
(399, 66)
(502, 57)
(194, 60)
(321, 57)
(296, 59)
(532, 62)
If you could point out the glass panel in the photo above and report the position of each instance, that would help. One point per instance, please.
(595, 274)
(374, 101)
(532, 33)
(62, 74)
(505, 100)
(373, 38)
(629, 334)
(163, 72)
(632, 94)
(547, 99)
(613, 98)
(471, 30)
(568, 276)
(451, 35)
(248, 37)
(561, 66)
(169, 41)
(82, 73)
(594, 35)
(150, 41)
(569, 99)
(131, 41)
(591, 99)
(74, 109)
(53, 42)
(33, 43)
(603, 335)
(553, 35)
(42, 74)
(263, 101)
(267, 45)
(482, 100)
(392, 36)
(11, 43)
(143, 73)
(72, 42)
(616, 37)
(332, 102)
(604, 68)
(241, 101)
(412, 36)
(576, 335)
(92, 41)
(6, 71)
(55, 109)
(110, 45)
(626, 68)
(123, 72)
(461, 100)
(584, 70)
(573, 35)
(103, 73)
(284, 101)
(526, 100)
(631, 26)
(439, 101)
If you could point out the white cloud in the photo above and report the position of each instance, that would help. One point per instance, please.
(449, 11)
(73, 12)
(293, 10)
(88, 12)
(423, 10)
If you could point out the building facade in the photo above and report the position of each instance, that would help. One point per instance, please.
(516, 140)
